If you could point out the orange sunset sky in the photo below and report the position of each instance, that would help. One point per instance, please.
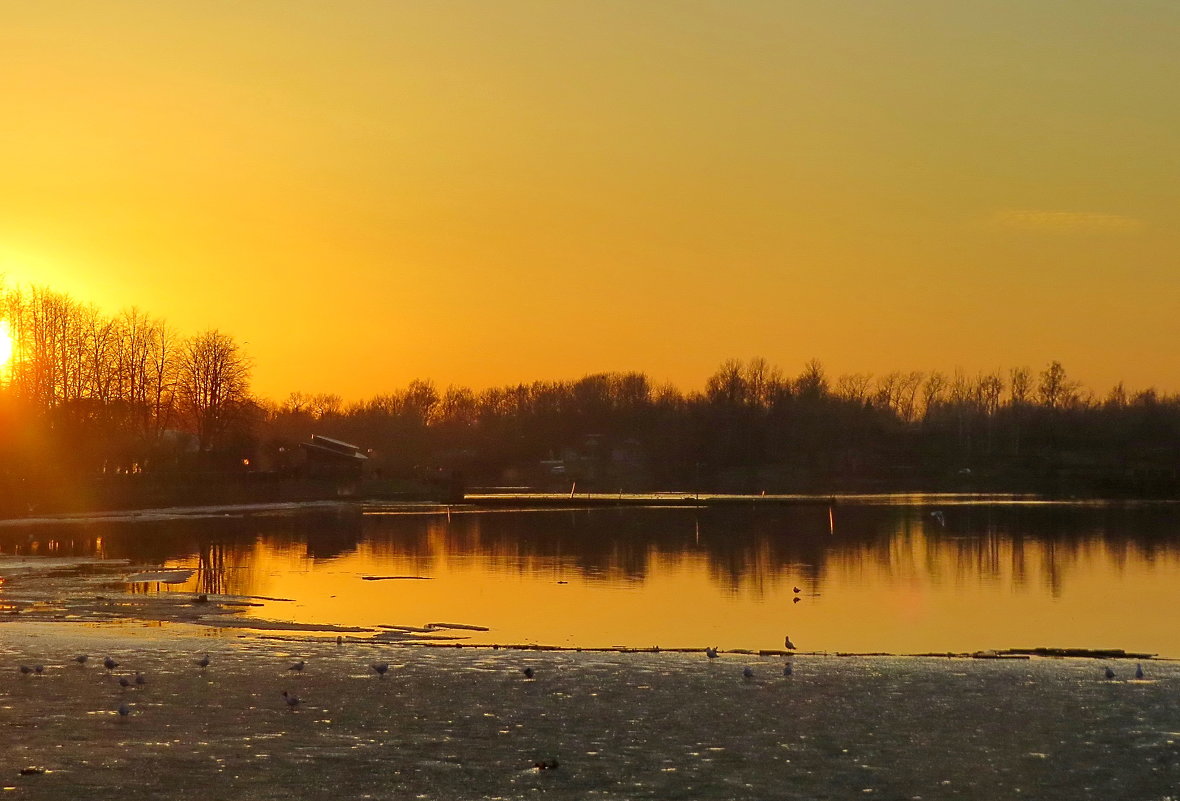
(482, 193)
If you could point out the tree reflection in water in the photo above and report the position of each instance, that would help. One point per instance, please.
(745, 549)
(891, 564)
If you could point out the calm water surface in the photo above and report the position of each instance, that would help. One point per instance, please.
(877, 575)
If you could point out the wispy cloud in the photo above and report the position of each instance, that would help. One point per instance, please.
(1064, 222)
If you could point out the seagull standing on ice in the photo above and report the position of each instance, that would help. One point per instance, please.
(748, 672)
(380, 667)
(298, 666)
(787, 642)
(711, 653)
(787, 669)
(124, 710)
(292, 700)
(81, 658)
(528, 672)
(203, 662)
(1139, 671)
(1109, 673)
(109, 663)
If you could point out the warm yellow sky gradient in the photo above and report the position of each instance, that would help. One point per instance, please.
(484, 193)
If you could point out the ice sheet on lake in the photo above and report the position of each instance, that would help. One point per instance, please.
(161, 576)
(446, 724)
(26, 565)
(172, 513)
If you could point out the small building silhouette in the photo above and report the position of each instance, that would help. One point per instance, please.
(331, 458)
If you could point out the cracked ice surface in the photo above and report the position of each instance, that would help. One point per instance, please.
(467, 724)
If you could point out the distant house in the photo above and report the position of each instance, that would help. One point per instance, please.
(331, 458)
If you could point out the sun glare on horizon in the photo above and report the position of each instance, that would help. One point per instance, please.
(6, 345)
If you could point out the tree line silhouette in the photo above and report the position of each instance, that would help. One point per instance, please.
(88, 394)
(755, 429)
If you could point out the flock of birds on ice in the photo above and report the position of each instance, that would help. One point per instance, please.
(381, 668)
(293, 701)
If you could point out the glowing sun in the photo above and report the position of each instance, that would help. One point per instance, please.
(6, 346)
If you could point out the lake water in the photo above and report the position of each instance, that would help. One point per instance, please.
(880, 574)
(874, 574)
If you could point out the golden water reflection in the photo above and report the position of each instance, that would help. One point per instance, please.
(886, 579)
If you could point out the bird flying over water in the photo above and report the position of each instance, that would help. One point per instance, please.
(939, 516)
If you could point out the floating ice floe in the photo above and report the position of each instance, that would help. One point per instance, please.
(160, 576)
